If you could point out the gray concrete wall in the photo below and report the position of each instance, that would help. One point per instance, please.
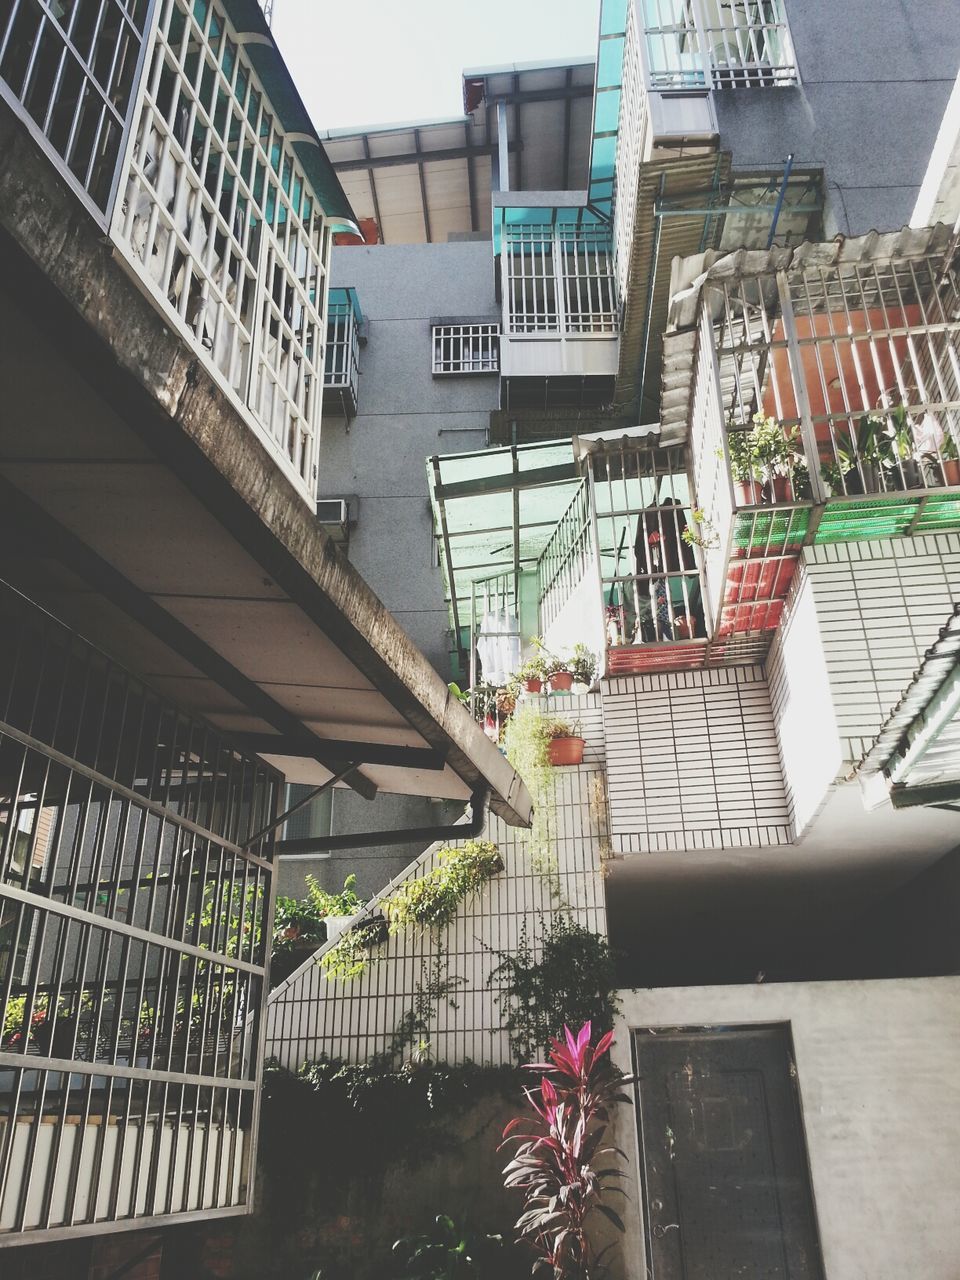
(879, 1075)
(876, 76)
(405, 415)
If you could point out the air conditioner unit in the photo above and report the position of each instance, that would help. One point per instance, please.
(333, 511)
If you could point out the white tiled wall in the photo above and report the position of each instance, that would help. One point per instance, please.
(692, 762)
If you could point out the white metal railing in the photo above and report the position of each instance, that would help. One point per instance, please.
(564, 559)
(466, 348)
(558, 279)
(341, 370)
(70, 70)
(219, 224)
(717, 44)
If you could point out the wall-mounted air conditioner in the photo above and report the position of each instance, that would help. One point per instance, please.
(335, 511)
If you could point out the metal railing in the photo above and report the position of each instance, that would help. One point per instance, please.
(341, 371)
(466, 348)
(565, 558)
(70, 70)
(135, 899)
(650, 575)
(218, 221)
(840, 381)
(717, 44)
(558, 279)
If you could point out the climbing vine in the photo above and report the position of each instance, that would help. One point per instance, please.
(527, 744)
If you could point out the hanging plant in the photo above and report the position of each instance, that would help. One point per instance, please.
(527, 745)
(349, 957)
(432, 900)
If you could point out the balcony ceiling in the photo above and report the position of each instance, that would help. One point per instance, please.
(142, 510)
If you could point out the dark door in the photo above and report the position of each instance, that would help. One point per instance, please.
(725, 1169)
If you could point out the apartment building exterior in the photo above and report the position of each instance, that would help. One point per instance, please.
(751, 248)
(181, 642)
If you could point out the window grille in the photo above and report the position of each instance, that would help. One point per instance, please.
(219, 223)
(565, 558)
(466, 348)
(342, 364)
(631, 145)
(70, 67)
(650, 574)
(134, 900)
(719, 44)
(559, 279)
(857, 361)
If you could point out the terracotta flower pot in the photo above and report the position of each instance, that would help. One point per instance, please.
(561, 682)
(780, 486)
(746, 493)
(566, 751)
(951, 471)
(533, 684)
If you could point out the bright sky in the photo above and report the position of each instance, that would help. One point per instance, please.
(364, 62)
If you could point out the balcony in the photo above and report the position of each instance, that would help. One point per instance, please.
(561, 320)
(689, 44)
(823, 406)
(341, 373)
(597, 540)
(217, 198)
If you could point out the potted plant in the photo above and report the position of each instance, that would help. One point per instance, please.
(432, 900)
(950, 461)
(763, 455)
(583, 668)
(533, 673)
(565, 745)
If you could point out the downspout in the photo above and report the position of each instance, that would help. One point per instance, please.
(778, 207)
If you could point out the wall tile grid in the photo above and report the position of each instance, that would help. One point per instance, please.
(309, 1015)
(693, 763)
(879, 606)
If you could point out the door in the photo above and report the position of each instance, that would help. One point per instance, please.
(726, 1184)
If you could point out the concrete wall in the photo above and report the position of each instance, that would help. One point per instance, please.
(879, 1076)
(876, 76)
(405, 415)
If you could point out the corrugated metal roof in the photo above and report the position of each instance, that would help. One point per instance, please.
(939, 668)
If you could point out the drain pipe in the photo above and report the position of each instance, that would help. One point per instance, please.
(370, 839)
(778, 207)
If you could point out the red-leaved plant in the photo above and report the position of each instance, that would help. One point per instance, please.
(558, 1150)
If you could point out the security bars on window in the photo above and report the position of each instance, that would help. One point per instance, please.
(872, 372)
(717, 44)
(466, 348)
(631, 147)
(218, 222)
(133, 938)
(70, 69)
(559, 279)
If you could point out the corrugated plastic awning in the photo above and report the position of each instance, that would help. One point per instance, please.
(495, 511)
(248, 20)
(917, 752)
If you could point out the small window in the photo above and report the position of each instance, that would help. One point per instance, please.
(466, 348)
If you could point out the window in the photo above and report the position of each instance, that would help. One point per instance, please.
(466, 348)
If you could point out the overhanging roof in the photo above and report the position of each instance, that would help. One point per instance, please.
(917, 752)
(248, 20)
(428, 180)
(142, 510)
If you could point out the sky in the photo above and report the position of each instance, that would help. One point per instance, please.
(365, 62)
